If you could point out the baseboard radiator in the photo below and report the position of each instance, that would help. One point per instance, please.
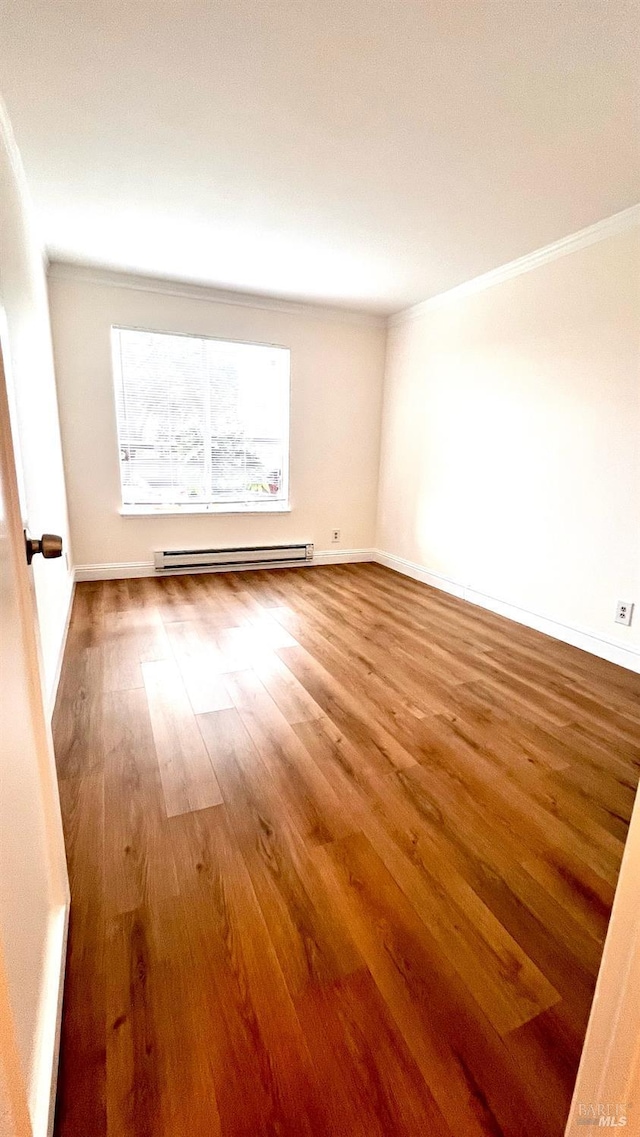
(247, 556)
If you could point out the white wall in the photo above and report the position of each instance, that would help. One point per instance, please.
(26, 338)
(337, 363)
(510, 455)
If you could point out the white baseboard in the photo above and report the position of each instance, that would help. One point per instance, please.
(584, 638)
(45, 1074)
(425, 576)
(114, 570)
(53, 690)
(343, 557)
(625, 656)
(129, 569)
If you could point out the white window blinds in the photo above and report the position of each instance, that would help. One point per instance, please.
(201, 422)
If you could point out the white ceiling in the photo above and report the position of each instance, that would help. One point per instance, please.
(370, 153)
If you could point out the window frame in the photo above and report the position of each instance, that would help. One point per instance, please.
(151, 509)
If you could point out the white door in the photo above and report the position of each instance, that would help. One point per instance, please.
(34, 892)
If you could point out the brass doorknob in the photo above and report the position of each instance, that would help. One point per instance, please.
(49, 544)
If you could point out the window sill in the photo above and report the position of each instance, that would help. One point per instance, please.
(204, 510)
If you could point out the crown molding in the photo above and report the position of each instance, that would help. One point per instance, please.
(608, 227)
(111, 278)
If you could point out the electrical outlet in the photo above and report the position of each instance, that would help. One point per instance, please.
(335, 536)
(624, 612)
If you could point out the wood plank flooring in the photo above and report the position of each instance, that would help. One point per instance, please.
(342, 853)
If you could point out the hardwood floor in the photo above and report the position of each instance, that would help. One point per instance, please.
(342, 853)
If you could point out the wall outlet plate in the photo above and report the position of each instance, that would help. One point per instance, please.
(335, 536)
(624, 612)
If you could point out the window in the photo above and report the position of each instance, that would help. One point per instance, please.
(202, 423)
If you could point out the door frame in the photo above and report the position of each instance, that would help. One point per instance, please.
(608, 1078)
(31, 1109)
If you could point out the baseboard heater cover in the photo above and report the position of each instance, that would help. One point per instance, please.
(229, 558)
